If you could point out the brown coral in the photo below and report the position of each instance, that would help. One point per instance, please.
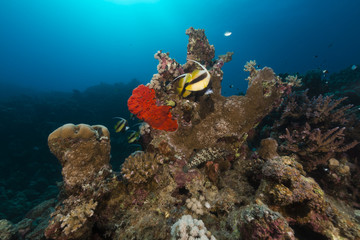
(314, 147)
(302, 202)
(82, 150)
(139, 167)
(199, 48)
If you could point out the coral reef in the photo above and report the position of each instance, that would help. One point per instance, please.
(260, 222)
(141, 166)
(303, 203)
(84, 153)
(315, 129)
(314, 147)
(201, 172)
(28, 170)
(80, 150)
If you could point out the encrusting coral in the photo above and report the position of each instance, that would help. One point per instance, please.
(196, 168)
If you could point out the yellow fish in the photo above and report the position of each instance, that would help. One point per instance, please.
(191, 82)
(121, 125)
(134, 136)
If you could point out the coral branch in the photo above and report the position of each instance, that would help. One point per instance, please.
(314, 146)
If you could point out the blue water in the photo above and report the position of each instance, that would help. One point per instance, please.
(73, 44)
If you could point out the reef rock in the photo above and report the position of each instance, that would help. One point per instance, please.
(82, 151)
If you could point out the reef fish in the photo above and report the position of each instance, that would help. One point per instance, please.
(204, 155)
(191, 82)
(227, 34)
(121, 125)
(354, 67)
(134, 136)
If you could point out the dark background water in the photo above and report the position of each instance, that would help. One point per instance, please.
(77, 61)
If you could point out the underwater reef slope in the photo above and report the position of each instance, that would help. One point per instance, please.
(196, 179)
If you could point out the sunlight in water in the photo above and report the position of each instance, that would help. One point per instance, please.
(129, 2)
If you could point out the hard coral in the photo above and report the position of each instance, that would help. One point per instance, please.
(72, 220)
(315, 147)
(81, 149)
(199, 48)
(315, 129)
(188, 228)
(257, 221)
(302, 202)
(84, 153)
(140, 167)
(142, 103)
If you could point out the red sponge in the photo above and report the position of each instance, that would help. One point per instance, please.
(142, 103)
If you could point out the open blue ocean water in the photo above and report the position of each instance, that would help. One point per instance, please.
(77, 61)
(66, 45)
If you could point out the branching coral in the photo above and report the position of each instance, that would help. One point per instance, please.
(315, 147)
(250, 67)
(167, 68)
(72, 220)
(320, 110)
(76, 218)
(142, 103)
(293, 81)
(196, 205)
(314, 128)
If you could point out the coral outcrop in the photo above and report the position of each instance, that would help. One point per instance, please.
(84, 153)
(257, 221)
(200, 179)
(80, 150)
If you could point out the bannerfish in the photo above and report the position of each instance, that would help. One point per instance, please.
(192, 82)
(134, 136)
(121, 125)
(227, 34)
